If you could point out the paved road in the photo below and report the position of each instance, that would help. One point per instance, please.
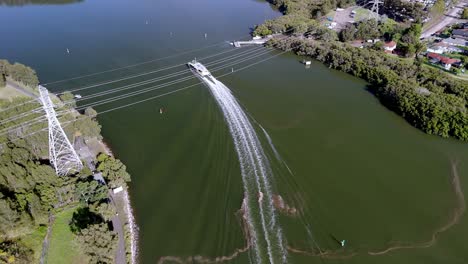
(120, 256)
(451, 17)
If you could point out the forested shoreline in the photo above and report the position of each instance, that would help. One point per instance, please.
(426, 97)
(17, 72)
(31, 193)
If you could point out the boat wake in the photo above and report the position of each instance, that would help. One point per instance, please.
(265, 234)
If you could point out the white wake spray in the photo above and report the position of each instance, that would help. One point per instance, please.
(266, 235)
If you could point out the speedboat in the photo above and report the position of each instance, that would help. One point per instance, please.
(199, 68)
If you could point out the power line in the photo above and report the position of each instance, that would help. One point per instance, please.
(157, 87)
(16, 105)
(152, 98)
(16, 117)
(13, 118)
(141, 74)
(168, 76)
(140, 63)
(124, 96)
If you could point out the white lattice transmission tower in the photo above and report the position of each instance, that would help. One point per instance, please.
(374, 11)
(61, 152)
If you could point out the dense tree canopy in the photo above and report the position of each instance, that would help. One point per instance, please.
(298, 15)
(19, 73)
(99, 243)
(399, 85)
(30, 190)
(402, 10)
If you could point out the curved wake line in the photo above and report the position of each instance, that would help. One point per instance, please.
(265, 234)
(220, 259)
(328, 254)
(254, 168)
(454, 219)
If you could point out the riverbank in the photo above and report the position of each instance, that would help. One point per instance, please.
(38, 198)
(424, 97)
(421, 95)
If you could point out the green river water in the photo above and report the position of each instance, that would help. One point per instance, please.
(358, 171)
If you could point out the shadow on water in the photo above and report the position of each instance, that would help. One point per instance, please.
(37, 2)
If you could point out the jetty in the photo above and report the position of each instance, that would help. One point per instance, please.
(254, 41)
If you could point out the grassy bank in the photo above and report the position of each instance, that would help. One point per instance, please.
(63, 248)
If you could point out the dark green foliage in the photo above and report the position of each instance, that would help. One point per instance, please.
(83, 218)
(368, 29)
(98, 242)
(30, 191)
(348, 33)
(105, 210)
(298, 15)
(409, 43)
(403, 10)
(86, 126)
(19, 73)
(90, 191)
(426, 98)
(113, 170)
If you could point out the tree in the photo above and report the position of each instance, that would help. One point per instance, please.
(465, 13)
(98, 242)
(113, 170)
(262, 30)
(83, 218)
(419, 47)
(378, 46)
(438, 8)
(90, 112)
(90, 191)
(347, 34)
(69, 98)
(368, 29)
(105, 210)
(87, 127)
(2, 80)
(24, 74)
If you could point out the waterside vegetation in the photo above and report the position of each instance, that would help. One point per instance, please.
(425, 97)
(33, 197)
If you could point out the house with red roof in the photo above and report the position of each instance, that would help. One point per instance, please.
(440, 59)
(389, 46)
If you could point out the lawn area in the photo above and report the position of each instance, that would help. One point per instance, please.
(62, 248)
(34, 241)
(361, 14)
(463, 76)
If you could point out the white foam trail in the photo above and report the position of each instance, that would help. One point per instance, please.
(277, 155)
(255, 171)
